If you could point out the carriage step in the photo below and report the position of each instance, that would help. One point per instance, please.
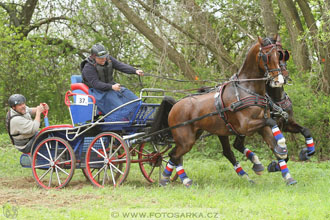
(25, 161)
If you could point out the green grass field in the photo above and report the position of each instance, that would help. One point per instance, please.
(217, 193)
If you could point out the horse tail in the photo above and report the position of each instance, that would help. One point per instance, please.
(161, 119)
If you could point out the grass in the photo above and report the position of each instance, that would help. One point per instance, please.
(217, 193)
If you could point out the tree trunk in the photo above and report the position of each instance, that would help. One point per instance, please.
(313, 30)
(209, 37)
(158, 42)
(326, 46)
(268, 17)
(295, 28)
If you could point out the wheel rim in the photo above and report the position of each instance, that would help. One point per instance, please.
(153, 161)
(107, 160)
(53, 163)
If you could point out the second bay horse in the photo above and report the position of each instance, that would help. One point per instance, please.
(240, 108)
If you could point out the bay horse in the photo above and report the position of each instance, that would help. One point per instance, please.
(243, 110)
(281, 111)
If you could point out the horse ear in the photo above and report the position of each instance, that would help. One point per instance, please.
(277, 37)
(260, 41)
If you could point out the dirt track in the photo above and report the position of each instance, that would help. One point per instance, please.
(24, 192)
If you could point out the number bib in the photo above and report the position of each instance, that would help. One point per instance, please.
(81, 100)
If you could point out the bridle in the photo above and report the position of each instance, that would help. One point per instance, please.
(264, 55)
(284, 56)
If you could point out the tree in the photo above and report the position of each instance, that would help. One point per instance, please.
(298, 45)
(157, 41)
(34, 59)
(269, 17)
(208, 36)
(325, 45)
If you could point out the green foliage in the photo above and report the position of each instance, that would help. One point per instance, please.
(39, 71)
(311, 110)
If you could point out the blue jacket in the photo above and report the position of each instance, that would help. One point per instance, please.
(91, 77)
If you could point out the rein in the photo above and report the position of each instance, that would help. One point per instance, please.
(200, 88)
(178, 80)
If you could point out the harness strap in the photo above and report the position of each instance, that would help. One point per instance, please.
(178, 125)
(241, 103)
(285, 103)
(222, 110)
(278, 108)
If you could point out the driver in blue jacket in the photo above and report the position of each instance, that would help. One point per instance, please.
(97, 74)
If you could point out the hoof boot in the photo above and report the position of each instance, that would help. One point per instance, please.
(164, 182)
(273, 167)
(258, 168)
(187, 182)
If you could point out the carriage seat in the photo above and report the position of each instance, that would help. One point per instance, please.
(81, 105)
(77, 86)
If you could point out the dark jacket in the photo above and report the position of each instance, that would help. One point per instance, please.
(100, 77)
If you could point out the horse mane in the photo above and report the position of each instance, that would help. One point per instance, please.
(265, 42)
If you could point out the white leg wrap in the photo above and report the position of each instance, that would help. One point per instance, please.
(281, 142)
(255, 159)
(287, 176)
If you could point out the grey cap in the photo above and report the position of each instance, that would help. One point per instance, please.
(16, 99)
(99, 50)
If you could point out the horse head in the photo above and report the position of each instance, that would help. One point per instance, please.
(269, 61)
(284, 56)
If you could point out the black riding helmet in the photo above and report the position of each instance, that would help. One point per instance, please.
(16, 99)
(99, 50)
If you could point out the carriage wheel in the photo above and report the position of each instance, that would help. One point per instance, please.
(84, 171)
(53, 163)
(107, 160)
(153, 160)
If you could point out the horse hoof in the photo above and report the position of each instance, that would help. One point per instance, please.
(163, 182)
(303, 155)
(273, 167)
(291, 181)
(187, 182)
(258, 168)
